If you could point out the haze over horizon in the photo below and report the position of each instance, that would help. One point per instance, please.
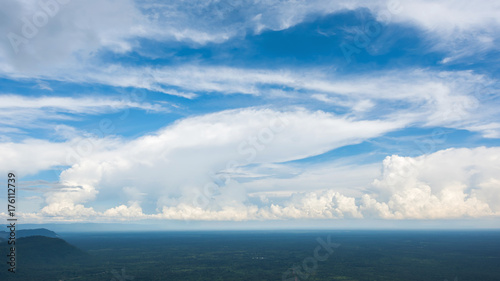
(252, 114)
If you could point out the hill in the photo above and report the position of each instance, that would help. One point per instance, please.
(44, 258)
(46, 250)
(4, 235)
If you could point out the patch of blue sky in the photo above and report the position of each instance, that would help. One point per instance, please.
(486, 62)
(410, 142)
(125, 123)
(49, 176)
(316, 42)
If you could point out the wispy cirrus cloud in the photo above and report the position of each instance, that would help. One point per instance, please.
(18, 111)
(458, 99)
(79, 30)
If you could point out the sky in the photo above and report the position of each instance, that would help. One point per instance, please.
(258, 113)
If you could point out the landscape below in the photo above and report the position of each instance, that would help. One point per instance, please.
(256, 255)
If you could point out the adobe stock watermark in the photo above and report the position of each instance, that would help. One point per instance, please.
(310, 264)
(249, 148)
(120, 276)
(31, 25)
(223, 8)
(105, 127)
(372, 29)
(459, 115)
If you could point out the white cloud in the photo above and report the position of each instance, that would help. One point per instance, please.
(168, 163)
(462, 28)
(328, 204)
(24, 112)
(58, 36)
(87, 105)
(167, 169)
(75, 32)
(449, 184)
(343, 176)
(452, 99)
(68, 211)
(31, 156)
(133, 211)
(436, 98)
(445, 184)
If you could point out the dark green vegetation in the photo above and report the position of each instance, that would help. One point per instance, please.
(39, 250)
(43, 258)
(362, 255)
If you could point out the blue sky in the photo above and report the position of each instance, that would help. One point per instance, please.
(231, 112)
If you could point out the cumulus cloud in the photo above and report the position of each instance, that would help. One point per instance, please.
(445, 184)
(124, 212)
(239, 178)
(167, 165)
(453, 183)
(313, 205)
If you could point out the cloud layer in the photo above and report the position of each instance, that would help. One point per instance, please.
(201, 168)
(60, 35)
(245, 128)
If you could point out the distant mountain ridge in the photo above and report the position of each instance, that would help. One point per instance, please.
(4, 235)
(42, 256)
(41, 249)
